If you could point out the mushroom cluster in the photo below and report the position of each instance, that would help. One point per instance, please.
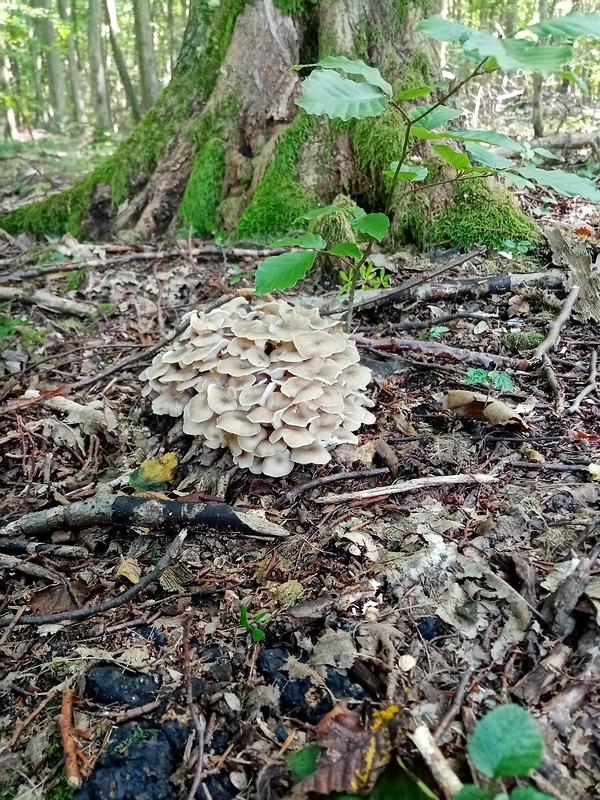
(274, 383)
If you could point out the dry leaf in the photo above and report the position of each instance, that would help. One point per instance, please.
(355, 757)
(51, 600)
(533, 455)
(477, 405)
(130, 570)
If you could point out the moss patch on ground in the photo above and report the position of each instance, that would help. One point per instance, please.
(202, 194)
(482, 212)
(279, 199)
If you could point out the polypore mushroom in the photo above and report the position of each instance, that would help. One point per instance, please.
(274, 384)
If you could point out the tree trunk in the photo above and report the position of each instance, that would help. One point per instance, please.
(144, 41)
(113, 29)
(100, 101)
(537, 112)
(226, 150)
(73, 62)
(9, 121)
(55, 66)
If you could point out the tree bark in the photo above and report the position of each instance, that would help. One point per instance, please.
(144, 41)
(113, 29)
(9, 121)
(100, 100)
(537, 113)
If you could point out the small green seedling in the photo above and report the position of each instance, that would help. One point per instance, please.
(21, 326)
(506, 743)
(522, 247)
(435, 333)
(237, 275)
(75, 280)
(255, 626)
(492, 378)
(368, 278)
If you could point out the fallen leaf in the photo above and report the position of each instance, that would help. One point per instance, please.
(51, 600)
(477, 405)
(334, 649)
(154, 474)
(130, 570)
(533, 455)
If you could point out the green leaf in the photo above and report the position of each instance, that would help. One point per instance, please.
(506, 742)
(525, 793)
(489, 137)
(321, 212)
(398, 783)
(541, 151)
(303, 763)
(257, 635)
(439, 116)
(356, 67)
(483, 156)
(244, 617)
(375, 225)
(443, 30)
(572, 26)
(327, 92)
(470, 792)
(476, 375)
(514, 54)
(502, 381)
(459, 161)
(349, 249)
(574, 78)
(311, 241)
(408, 172)
(412, 94)
(566, 183)
(283, 271)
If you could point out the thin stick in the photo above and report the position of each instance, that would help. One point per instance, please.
(407, 486)
(68, 742)
(433, 757)
(592, 384)
(114, 602)
(335, 477)
(557, 325)
(197, 720)
(559, 395)
(454, 709)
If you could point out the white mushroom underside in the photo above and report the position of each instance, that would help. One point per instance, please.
(273, 383)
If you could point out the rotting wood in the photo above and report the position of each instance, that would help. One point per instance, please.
(49, 301)
(65, 717)
(563, 141)
(558, 608)
(335, 477)
(408, 486)
(543, 677)
(441, 351)
(152, 513)
(572, 252)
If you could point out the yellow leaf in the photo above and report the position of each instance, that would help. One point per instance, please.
(129, 570)
(155, 473)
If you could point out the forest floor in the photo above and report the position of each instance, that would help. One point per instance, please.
(445, 599)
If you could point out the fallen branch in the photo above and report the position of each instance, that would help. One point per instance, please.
(198, 720)
(114, 602)
(144, 512)
(556, 327)
(408, 486)
(442, 351)
(564, 141)
(68, 742)
(335, 477)
(21, 546)
(552, 380)
(443, 773)
(592, 384)
(49, 301)
(455, 706)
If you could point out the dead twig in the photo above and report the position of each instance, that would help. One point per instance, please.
(114, 602)
(407, 486)
(444, 775)
(68, 742)
(197, 719)
(556, 327)
(52, 302)
(20, 546)
(335, 477)
(455, 706)
(557, 391)
(146, 512)
(138, 711)
(592, 384)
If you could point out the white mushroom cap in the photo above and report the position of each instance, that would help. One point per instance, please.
(299, 415)
(220, 398)
(313, 453)
(317, 343)
(237, 422)
(279, 465)
(316, 369)
(293, 437)
(170, 402)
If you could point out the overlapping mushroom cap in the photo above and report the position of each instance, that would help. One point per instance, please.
(274, 383)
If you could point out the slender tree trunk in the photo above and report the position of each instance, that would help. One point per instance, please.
(144, 40)
(171, 35)
(9, 121)
(55, 66)
(113, 28)
(73, 62)
(537, 114)
(100, 100)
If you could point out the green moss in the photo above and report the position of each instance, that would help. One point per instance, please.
(377, 142)
(220, 19)
(403, 7)
(519, 341)
(482, 212)
(279, 198)
(203, 191)
(295, 6)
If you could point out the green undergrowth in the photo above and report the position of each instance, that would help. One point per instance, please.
(295, 6)
(279, 199)
(521, 341)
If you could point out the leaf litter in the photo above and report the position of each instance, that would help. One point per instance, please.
(381, 600)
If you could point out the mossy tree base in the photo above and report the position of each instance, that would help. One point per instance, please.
(226, 151)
